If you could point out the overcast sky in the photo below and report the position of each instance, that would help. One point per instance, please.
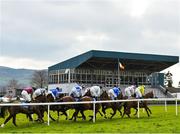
(39, 33)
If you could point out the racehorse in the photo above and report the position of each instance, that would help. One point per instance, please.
(13, 110)
(113, 105)
(134, 104)
(42, 99)
(61, 108)
(89, 106)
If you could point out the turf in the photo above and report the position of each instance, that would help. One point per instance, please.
(159, 122)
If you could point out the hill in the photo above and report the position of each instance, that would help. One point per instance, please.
(22, 75)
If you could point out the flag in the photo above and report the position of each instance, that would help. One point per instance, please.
(67, 71)
(121, 66)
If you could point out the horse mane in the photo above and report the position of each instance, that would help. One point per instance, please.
(120, 96)
(104, 95)
(88, 93)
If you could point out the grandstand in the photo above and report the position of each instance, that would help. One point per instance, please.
(103, 68)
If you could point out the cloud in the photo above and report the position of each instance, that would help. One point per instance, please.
(24, 63)
(50, 31)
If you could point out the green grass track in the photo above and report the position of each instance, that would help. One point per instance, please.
(159, 122)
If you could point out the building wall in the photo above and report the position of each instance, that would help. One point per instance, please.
(105, 78)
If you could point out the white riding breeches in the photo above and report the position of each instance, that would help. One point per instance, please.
(26, 96)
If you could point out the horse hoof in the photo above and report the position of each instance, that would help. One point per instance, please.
(2, 125)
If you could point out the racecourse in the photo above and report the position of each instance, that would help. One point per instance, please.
(159, 122)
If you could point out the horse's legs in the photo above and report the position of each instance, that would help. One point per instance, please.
(149, 110)
(51, 117)
(9, 117)
(119, 109)
(136, 111)
(39, 116)
(124, 111)
(75, 114)
(100, 113)
(14, 120)
(83, 116)
(114, 112)
(30, 117)
(92, 116)
(64, 112)
(127, 111)
(72, 116)
(58, 115)
(123, 114)
(104, 112)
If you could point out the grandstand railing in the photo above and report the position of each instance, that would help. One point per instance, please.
(96, 102)
(164, 90)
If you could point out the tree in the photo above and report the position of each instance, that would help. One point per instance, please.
(168, 79)
(13, 84)
(39, 78)
(11, 87)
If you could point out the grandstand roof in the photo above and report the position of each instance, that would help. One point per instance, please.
(109, 60)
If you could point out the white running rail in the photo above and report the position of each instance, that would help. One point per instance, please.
(96, 102)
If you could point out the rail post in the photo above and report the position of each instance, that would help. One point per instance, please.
(48, 114)
(138, 108)
(176, 108)
(94, 111)
(165, 103)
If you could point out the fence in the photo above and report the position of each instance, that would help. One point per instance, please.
(95, 102)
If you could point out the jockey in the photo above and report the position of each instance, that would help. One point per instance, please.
(114, 92)
(55, 92)
(76, 91)
(129, 91)
(142, 90)
(26, 93)
(95, 91)
(139, 91)
(38, 92)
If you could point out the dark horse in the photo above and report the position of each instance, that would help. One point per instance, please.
(134, 104)
(28, 110)
(113, 105)
(89, 106)
(61, 108)
(42, 99)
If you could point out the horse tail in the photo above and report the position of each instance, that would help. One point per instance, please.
(3, 112)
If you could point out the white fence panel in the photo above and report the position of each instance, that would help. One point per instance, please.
(94, 103)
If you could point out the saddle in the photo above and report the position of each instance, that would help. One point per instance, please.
(24, 105)
(77, 99)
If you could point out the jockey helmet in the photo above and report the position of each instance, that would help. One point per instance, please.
(83, 86)
(57, 88)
